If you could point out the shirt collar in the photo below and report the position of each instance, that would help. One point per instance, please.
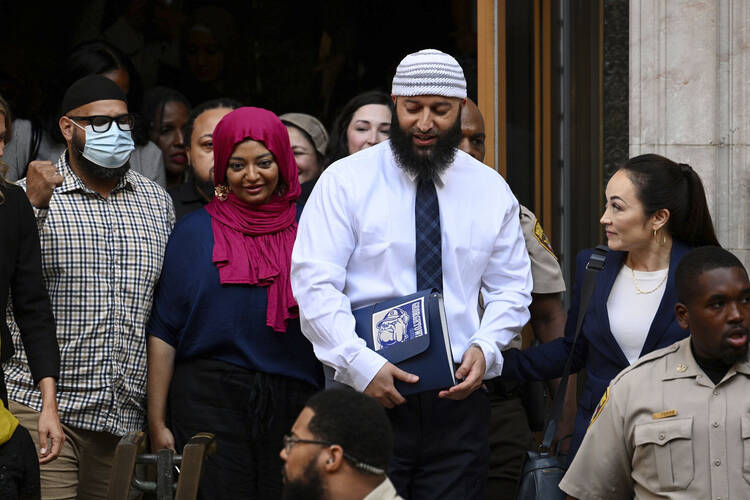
(438, 183)
(682, 364)
(384, 490)
(71, 181)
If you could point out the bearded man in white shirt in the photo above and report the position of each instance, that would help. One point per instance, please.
(362, 239)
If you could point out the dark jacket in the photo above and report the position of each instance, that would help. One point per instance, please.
(596, 350)
(21, 275)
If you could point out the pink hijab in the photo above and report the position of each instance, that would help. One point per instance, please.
(253, 243)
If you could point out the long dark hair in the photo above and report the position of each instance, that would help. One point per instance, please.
(90, 58)
(662, 183)
(339, 147)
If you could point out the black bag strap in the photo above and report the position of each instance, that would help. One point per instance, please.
(594, 265)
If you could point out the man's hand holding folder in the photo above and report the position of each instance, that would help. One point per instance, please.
(471, 371)
(381, 386)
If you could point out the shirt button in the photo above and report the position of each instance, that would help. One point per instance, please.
(715, 424)
(661, 437)
(716, 393)
(717, 462)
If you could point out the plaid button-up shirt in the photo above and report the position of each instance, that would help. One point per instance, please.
(101, 258)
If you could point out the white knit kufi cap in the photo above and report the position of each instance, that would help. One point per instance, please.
(429, 72)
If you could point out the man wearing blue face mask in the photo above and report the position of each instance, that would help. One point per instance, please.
(103, 230)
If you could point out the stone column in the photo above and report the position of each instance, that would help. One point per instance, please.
(690, 99)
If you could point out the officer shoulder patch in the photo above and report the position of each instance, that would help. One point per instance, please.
(600, 407)
(542, 239)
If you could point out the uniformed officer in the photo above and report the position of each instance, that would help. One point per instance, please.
(509, 432)
(676, 424)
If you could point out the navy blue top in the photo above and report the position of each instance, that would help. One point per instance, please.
(201, 318)
(597, 349)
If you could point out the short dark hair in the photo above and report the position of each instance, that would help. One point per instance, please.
(662, 183)
(221, 102)
(355, 422)
(339, 147)
(697, 261)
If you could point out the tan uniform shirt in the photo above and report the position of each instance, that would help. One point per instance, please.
(545, 269)
(663, 430)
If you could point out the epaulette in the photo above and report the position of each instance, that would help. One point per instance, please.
(654, 355)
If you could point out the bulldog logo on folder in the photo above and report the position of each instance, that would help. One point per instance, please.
(398, 324)
(412, 333)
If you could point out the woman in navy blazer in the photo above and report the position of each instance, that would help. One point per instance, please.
(656, 211)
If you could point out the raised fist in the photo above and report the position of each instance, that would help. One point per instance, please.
(41, 179)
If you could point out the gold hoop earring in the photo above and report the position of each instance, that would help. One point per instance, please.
(663, 241)
(221, 191)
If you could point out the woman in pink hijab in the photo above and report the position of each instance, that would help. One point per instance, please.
(226, 354)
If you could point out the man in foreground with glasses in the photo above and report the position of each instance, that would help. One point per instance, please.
(339, 448)
(103, 230)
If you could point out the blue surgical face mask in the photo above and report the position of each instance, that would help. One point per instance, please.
(110, 149)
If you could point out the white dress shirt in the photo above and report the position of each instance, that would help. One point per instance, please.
(355, 247)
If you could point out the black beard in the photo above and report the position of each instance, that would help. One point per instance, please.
(308, 487)
(205, 188)
(730, 356)
(426, 163)
(92, 168)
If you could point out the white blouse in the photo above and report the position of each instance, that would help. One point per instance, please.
(631, 313)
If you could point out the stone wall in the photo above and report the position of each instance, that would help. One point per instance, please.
(690, 99)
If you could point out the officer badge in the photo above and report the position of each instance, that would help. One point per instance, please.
(542, 238)
(600, 407)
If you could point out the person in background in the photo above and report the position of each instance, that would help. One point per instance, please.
(103, 230)
(338, 449)
(209, 52)
(510, 435)
(363, 122)
(226, 354)
(21, 278)
(415, 213)
(656, 211)
(309, 141)
(675, 424)
(41, 141)
(166, 112)
(199, 148)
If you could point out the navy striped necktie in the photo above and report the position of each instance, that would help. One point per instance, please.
(429, 255)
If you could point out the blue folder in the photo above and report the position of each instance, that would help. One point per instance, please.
(411, 332)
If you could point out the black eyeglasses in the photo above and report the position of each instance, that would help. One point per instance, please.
(290, 441)
(101, 123)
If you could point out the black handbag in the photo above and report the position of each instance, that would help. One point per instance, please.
(543, 470)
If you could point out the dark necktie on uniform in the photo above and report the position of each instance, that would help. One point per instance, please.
(429, 255)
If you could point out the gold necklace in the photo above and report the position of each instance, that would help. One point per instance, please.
(646, 292)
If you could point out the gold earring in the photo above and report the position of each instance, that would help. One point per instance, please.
(221, 191)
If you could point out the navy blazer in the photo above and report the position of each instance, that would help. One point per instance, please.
(596, 350)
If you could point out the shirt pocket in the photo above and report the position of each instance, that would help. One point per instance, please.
(663, 455)
(746, 447)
